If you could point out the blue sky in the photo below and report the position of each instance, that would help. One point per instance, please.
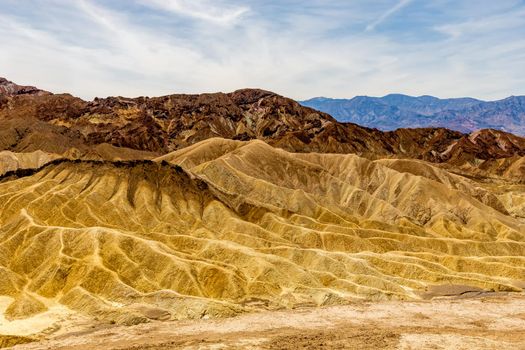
(301, 49)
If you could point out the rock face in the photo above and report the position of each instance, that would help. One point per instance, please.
(172, 122)
(9, 88)
(12, 162)
(400, 111)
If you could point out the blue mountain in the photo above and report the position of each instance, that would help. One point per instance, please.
(401, 111)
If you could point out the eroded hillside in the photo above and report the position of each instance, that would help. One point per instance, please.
(227, 226)
(130, 210)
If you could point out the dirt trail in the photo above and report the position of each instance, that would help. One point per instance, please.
(495, 322)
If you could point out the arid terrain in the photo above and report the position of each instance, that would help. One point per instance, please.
(482, 322)
(168, 215)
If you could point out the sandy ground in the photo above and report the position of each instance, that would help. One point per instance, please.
(58, 318)
(484, 322)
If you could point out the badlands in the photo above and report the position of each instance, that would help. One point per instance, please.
(245, 220)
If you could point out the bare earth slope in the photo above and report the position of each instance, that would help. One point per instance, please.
(10, 161)
(246, 226)
(437, 324)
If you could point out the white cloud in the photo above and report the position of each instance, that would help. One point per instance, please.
(98, 50)
(200, 9)
(387, 14)
(486, 25)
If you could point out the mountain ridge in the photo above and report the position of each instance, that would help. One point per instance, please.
(126, 128)
(11, 89)
(395, 111)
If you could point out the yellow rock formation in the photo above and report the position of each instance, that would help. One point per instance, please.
(225, 226)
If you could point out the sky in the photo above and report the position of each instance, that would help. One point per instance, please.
(300, 49)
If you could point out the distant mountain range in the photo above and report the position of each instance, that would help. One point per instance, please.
(401, 111)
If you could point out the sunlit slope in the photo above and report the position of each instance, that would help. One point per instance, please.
(10, 161)
(239, 225)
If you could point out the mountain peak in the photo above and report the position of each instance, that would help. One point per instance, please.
(519, 99)
(247, 96)
(396, 111)
(11, 89)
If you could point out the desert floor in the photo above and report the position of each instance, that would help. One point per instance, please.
(479, 322)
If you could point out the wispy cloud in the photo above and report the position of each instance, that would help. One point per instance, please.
(315, 48)
(211, 11)
(387, 14)
(492, 23)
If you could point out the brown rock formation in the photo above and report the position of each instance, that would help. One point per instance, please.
(56, 123)
(11, 89)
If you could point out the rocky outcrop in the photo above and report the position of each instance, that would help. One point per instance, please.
(8, 88)
(57, 123)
